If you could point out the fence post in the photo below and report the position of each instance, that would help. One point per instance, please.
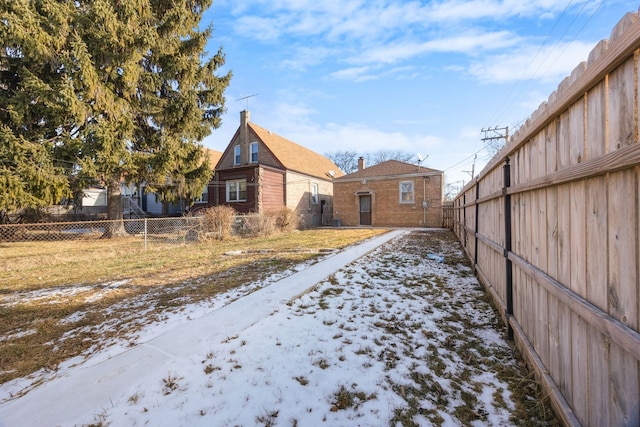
(145, 234)
(507, 245)
(475, 231)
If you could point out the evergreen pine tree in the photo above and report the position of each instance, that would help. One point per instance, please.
(33, 105)
(136, 93)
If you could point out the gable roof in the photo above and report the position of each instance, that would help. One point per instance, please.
(214, 157)
(295, 157)
(391, 168)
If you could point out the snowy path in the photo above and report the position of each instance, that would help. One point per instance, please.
(76, 397)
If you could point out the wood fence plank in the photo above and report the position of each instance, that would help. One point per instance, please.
(578, 239)
(623, 231)
(554, 365)
(598, 378)
(564, 276)
(543, 298)
(527, 219)
(564, 141)
(565, 380)
(622, 127)
(597, 236)
(577, 132)
(579, 367)
(623, 289)
(624, 389)
(579, 330)
(597, 254)
(540, 249)
(596, 122)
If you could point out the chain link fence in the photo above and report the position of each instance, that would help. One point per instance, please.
(147, 231)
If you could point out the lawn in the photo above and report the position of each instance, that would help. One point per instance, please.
(60, 300)
(403, 335)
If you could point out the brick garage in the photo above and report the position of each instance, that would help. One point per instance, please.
(389, 194)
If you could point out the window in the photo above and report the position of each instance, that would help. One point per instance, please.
(406, 192)
(314, 193)
(237, 190)
(253, 152)
(236, 155)
(204, 197)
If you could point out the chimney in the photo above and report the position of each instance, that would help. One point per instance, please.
(244, 118)
(360, 163)
(244, 132)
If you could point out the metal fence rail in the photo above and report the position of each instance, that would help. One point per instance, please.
(173, 231)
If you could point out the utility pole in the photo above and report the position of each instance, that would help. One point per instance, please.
(491, 135)
(473, 167)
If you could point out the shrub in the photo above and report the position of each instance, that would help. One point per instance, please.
(219, 221)
(286, 219)
(265, 224)
(256, 224)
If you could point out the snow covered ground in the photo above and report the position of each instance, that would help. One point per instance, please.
(395, 337)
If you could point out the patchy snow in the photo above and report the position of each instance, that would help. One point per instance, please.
(51, 296)
(388, 337)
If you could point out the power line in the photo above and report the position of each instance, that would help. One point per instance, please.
(510, 98)
(508, 106)
(464, 160)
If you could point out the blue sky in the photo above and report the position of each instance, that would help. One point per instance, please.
(418, 76)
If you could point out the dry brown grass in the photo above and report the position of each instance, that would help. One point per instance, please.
(45, 284)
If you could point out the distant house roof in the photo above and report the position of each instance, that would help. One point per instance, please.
(390, 168)
(214, 157)
(295, 157)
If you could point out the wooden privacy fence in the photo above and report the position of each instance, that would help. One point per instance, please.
(448, 214)
(552, 225)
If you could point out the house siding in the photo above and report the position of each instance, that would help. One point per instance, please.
(244, 138)
(386, 209)
(299, 198)
(220, 189)
(271, 193)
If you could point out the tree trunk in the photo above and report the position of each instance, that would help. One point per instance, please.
(115, 226)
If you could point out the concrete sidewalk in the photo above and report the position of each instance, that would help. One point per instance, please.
(92, 386)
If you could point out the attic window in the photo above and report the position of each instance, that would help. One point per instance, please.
(253, 152)
(236, 155)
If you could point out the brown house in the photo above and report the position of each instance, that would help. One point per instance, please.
(389, 194)
(260, 171)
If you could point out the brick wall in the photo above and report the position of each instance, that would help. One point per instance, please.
(298, 196)
(386, 209)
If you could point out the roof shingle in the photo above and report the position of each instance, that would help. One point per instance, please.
(390, 168)
(295, 157)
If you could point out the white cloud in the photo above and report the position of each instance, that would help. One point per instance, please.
(377, 32)
(549, 64)
(366, 73)
(361, 138)
(458, 10)
(265, 29)
(471, 43)
(357, 19)
(304, 57)
(294, 121)
(353, 73)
